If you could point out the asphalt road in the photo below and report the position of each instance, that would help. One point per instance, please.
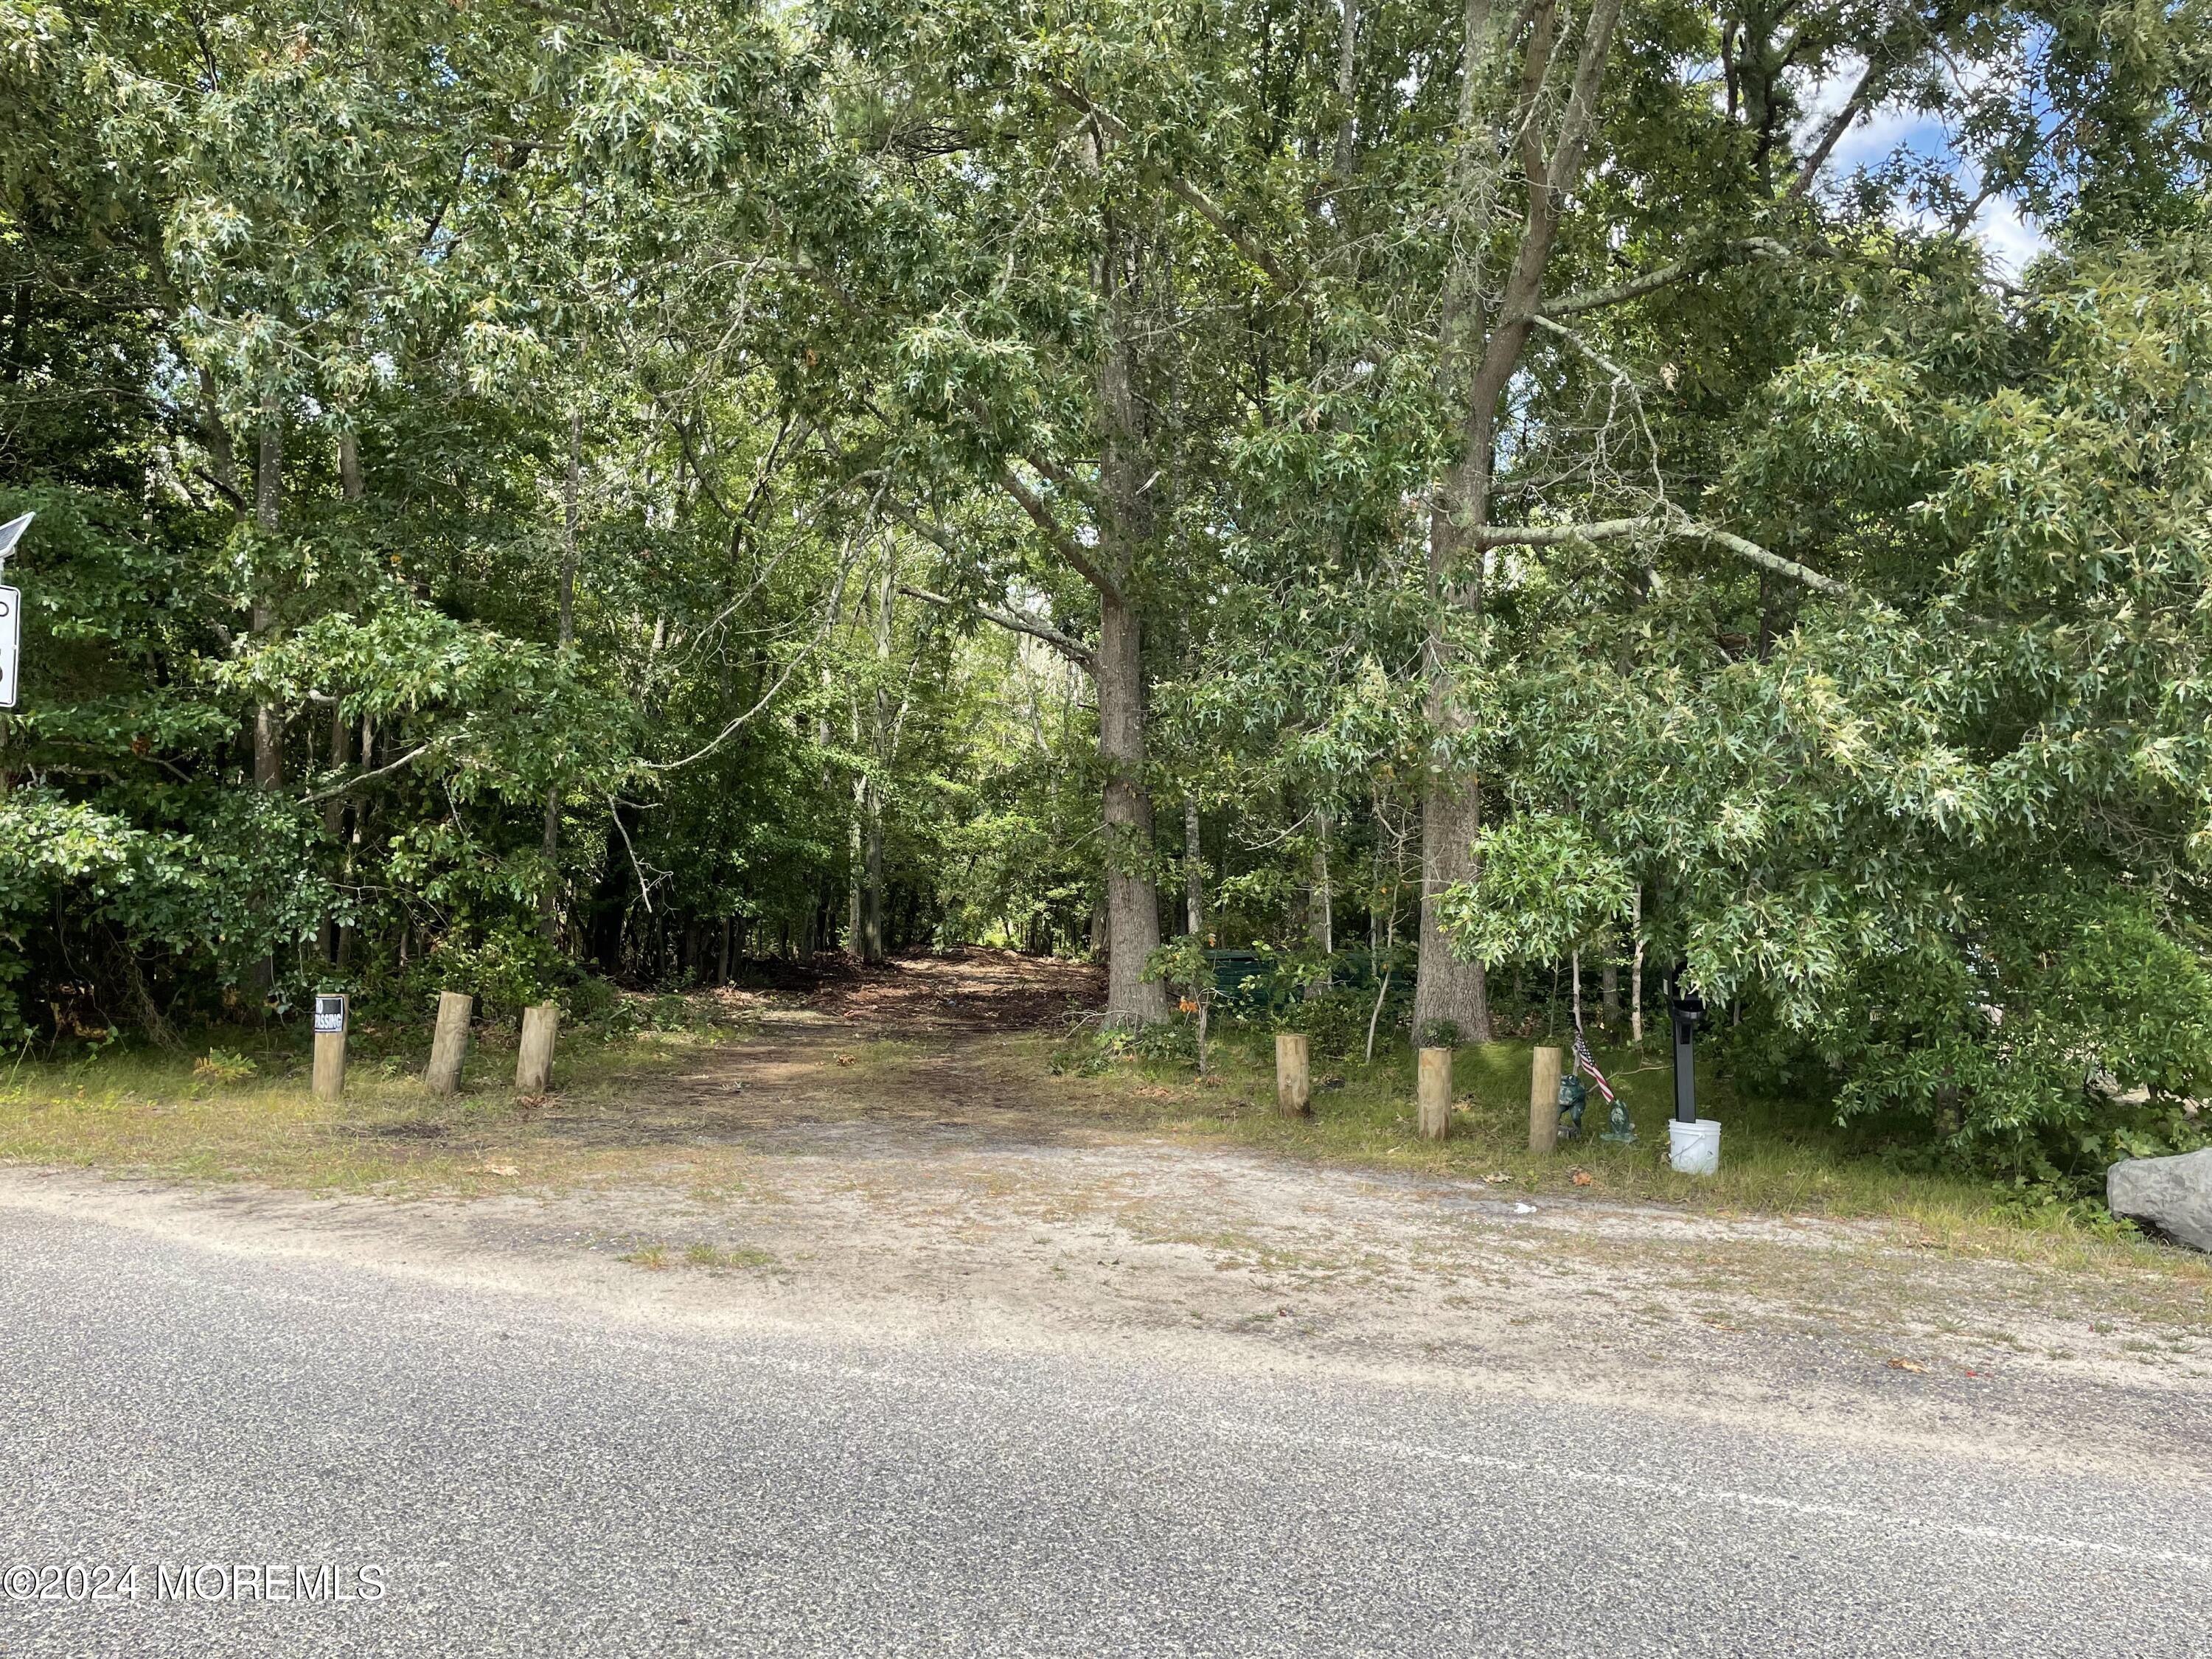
(522, 1478)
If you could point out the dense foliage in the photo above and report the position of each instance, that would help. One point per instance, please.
(1446, 493)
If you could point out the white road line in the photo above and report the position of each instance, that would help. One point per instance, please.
(1569, 1475)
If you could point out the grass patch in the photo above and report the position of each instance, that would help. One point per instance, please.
(237, 1105)
(1773, 1162)
(660, 1257)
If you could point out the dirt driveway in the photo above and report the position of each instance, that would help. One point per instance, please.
(865, 1161)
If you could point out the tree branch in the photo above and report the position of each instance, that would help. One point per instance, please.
(1728, 253)
(1073, 551)
(1182, 190)
(1907, 30)
(1680, 528)
(414, 753)
(1073, 649)
(1832, 133)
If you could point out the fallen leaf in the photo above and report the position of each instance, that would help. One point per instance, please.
(1906, 1365)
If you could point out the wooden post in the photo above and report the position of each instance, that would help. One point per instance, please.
(330, 1065)
(1293, 1080)
(1433, 1090)
(533, 1064)
(1544, 1101)
(449, 1046)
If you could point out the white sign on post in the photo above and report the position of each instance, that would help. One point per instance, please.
(11, 636)
(11, 612)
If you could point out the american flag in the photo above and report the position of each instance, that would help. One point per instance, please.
(1584, 1063)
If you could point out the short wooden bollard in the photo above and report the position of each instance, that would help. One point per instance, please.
(1544, 1101)
(330, 1065)
(329, 1045)
(449, 1046)
(1293, 1075)
(533, 1063)
(1432, 1089)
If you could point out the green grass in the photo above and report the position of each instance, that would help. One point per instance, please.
(1775, 1161)
(194, 1113)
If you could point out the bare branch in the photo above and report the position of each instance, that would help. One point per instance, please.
(1073, 649)
(1832, 133)
(412, 754)
(1680, 528)
(1727, 254)
(830, 612)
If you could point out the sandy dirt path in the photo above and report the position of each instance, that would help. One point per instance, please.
(939, 1208)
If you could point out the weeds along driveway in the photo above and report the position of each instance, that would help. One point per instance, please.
(891, 1158)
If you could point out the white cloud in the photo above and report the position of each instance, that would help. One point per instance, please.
(2011, 238)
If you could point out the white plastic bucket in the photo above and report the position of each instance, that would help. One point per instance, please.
(1694, 1148)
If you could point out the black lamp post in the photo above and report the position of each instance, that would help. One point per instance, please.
(1684, 1007)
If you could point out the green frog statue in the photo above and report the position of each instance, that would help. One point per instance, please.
(1574, 1094)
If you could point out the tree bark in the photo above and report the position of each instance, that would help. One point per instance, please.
(1320, 912)
(855, 853)
(548, 901)
(1635, 967)
(1133, 903)
(1449, 989)
(1348, 92)
(350, 479)
(268, 498)
(1127, 473)
(872, 878)
(334, 810)
(1194, 869)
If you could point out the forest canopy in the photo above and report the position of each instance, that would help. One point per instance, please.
(1445, 493)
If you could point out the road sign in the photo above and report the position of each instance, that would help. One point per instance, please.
(330, 1015)
(11, 612)
(11, 637)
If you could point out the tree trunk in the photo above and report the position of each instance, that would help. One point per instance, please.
(334, 811)
(855, 856)
(268, 498)
(268, 719)
(349, 480)
(1451, 811)
(1132, 900)
(549, 900)
(1449, 989)
(1635, 967)
(1321, 914)
(360, 810)
(872, 918)
(1194, 869)
(871, 882)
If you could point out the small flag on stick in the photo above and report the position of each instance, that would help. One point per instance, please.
(1584, 1063)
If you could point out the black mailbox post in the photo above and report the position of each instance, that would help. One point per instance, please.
(1685, 1007)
